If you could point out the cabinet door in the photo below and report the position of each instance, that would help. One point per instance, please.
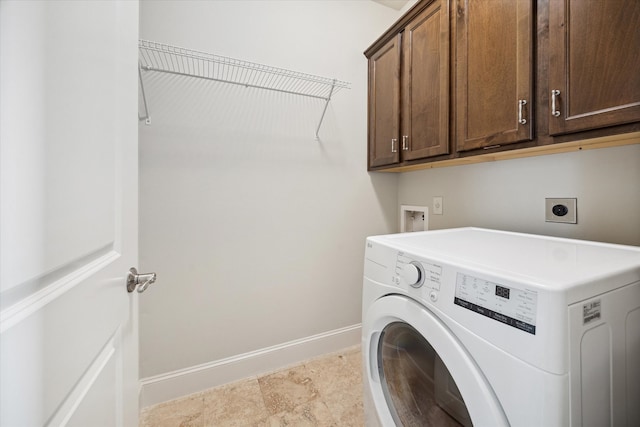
(425, 84)
(384, 102)
(594, 64)
(494, 73)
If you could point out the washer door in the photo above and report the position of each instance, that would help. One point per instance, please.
(419, 374)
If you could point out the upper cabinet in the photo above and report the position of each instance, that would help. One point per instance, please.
(425, 84)
(594, 64)
(461, 81)
(409, 90)
(494, 72)
(384, 104)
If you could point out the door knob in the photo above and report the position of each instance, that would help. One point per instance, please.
(141, 281)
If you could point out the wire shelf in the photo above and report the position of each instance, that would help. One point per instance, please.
(165, 58)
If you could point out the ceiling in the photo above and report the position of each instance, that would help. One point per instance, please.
(394, 4)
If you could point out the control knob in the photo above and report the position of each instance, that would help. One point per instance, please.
(412, 274)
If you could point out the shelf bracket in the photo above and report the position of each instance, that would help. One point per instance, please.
(146, 118)
(333, 85)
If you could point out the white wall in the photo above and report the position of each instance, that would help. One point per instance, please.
(255, 229)
(509, 195)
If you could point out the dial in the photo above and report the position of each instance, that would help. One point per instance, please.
(412, 274)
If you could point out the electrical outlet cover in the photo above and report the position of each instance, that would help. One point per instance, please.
(561, 210)
(437, 205)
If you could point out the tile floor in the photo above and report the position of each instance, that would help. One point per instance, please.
(325, 391)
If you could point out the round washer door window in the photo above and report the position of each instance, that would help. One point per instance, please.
(417, 385)
(417, 372)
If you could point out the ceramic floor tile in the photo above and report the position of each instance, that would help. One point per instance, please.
(339, 381)
(346, 404)
(285, 390)
(312, 414)
(237, 404)
(335, 371)
(353, 356)
(323, 392)
(350, 415)
(184, 412)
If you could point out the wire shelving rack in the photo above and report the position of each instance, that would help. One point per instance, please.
(164, 58)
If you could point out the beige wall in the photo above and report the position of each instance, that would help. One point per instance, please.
(509, 195)
(255, 229)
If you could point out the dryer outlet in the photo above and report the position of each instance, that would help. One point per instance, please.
(413, 218)
(561, 210)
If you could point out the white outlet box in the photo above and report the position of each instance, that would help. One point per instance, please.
(437, 205)
(414, 218)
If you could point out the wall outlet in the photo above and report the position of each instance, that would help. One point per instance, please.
(413, 218)
(437, 205)
(561, 210)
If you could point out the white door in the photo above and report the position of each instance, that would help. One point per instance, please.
(68, 213)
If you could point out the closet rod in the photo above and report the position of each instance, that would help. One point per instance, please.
(154, 56)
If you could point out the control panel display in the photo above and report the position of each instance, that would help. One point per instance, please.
(503, 292)
(514, 307)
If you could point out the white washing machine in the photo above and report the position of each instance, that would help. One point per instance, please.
(487, 328)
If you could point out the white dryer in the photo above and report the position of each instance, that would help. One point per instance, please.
(487, 328)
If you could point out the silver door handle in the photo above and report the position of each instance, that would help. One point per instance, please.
(141, 281)
(521, 104)
(405, 146)
(554, 94)
(393, 145)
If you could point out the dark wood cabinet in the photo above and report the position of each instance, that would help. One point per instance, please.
(409, 90)
(425, 84)
(594, 64)
(494, 77)
(462, 81)
(384, 104)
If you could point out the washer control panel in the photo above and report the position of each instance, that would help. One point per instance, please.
(514, 307)
(418, 274)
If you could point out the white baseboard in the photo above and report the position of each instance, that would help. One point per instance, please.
(172, 385)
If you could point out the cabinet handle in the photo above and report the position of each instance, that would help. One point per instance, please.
(393, 145)
(405, 146)
(554, 95)
(521, 104)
